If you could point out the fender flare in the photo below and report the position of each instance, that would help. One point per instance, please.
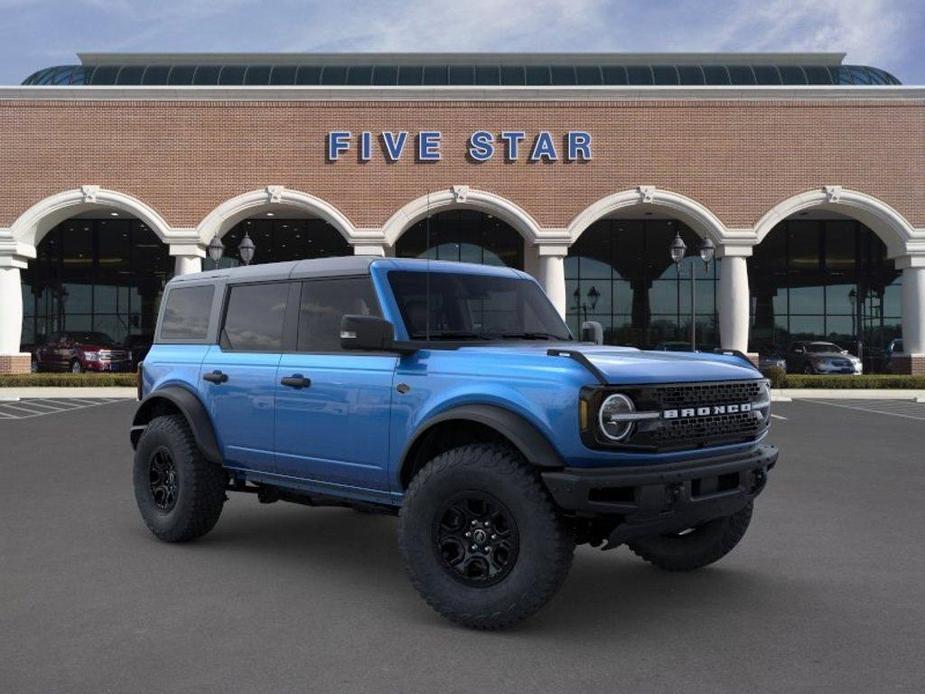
(533, 444)
(193, 411)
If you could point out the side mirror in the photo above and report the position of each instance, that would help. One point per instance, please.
(369, 333)
(592, 331)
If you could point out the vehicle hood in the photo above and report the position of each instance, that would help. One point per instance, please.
(628, 365)
(91, 347)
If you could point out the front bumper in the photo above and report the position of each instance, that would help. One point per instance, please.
(109, 366)
(853, 369)
(653, 499)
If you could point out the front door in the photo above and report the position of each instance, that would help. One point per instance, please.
(332, 406)
(238, 375)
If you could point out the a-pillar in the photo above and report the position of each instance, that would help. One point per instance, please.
(912, 359)
(551, 273)
(733, 298)
(13, 258)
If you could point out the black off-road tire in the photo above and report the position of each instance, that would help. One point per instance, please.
(199, 485)
(536, 565)
(695, 548)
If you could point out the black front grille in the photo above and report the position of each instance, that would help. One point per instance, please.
(703, 429)
(697, 418)
(699, 394)
(674, 431)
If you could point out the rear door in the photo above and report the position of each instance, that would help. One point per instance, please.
(332, 406)
(238, 375)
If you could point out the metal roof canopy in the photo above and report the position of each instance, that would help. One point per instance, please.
(348, 59)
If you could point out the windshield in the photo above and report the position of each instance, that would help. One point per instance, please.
(823, 347)
(474, 307)
(101, 339)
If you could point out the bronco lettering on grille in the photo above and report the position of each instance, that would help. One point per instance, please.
(686, 412)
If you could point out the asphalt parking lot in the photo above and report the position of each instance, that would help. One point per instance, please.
(825, 594)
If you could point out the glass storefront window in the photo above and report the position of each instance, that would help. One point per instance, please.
(824, 280)
(103, 275)
(278, 240)
(620, 273)
(466, 236)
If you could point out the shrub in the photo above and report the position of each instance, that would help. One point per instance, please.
(776, 375)
(67, 380)
(866, 381)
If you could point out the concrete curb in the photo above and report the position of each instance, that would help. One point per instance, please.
(789, 394)
(13, 394)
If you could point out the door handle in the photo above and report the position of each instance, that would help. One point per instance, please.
(215, 377)
(296, 381)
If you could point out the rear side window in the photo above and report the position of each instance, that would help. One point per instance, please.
(254, 317)
(186, 313)
(325, 303)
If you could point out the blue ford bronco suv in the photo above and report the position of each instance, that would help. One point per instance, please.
(454, 396)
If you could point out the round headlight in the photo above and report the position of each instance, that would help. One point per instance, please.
(612, 425)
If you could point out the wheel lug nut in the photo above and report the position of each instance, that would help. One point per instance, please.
(473, 523)
(494, 537)
(487, 549)
(468, 534)
(474, 548)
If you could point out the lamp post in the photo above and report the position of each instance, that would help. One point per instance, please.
(592, 296)
(853, 300)
(857, 320)
(678, 249)
(246, 249)
(216, 249)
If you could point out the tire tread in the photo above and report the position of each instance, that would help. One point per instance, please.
(206, 489)
(671, 555)
(524, 481)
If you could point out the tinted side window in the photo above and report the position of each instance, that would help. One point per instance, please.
(186, 313)
(324, 304)
(254, 317)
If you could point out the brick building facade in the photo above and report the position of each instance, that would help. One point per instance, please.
(730, 163)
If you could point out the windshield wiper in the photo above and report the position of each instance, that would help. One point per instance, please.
(531, 336)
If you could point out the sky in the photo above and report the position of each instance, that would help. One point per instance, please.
(40, 33)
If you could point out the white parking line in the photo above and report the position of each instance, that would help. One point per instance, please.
(778, 416)
(38, 407)
(20, 408)
(64, 404)
(42, 403)
(887, 412)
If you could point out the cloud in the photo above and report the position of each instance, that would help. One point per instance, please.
(877, 32)
(866, 29)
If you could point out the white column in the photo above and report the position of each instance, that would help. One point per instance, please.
(733, 298)
(185, 264)
(13, 258)
(551, 274)
(188, 254)
(10, 310)
(378, 249)
(913, 304)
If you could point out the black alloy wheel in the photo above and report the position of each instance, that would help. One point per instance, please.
(476, 538)
(162, 480)
(481, 539)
